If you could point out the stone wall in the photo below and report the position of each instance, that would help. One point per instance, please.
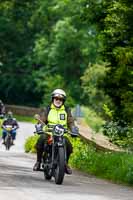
(22, 110)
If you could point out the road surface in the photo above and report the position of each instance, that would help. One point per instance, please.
(19, 182)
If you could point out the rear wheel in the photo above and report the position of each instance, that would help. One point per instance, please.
(60, 168)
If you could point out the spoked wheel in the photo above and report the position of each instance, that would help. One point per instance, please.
(8, 143)
(60, 168)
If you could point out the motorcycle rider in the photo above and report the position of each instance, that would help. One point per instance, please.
(2, 109)
(56, 113)
(9, 121)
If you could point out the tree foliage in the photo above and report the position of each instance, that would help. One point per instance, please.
(62, 43)
(117, 32)
(92, 84)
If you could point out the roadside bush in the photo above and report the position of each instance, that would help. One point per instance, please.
(119, 133)
(1, 120)
(130, 175)
(30, 144)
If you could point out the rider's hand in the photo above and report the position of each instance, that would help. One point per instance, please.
(45, 128)
(4, 127)
(39, 129)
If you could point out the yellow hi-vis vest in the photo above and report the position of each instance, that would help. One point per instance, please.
(57, 116)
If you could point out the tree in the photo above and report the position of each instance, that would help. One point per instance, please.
(16, 39)
(117, 31)
(93, 94)
(47, 39)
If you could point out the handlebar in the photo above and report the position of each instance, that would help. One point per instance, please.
(51, 127)
(8, 127)
(73, 133)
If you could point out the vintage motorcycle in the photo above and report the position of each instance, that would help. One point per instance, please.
(54, 156)
(8, 138)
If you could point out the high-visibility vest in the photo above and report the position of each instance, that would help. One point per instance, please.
(57, 116)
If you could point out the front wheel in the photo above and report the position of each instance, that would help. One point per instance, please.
(60, 167)
(8, 143)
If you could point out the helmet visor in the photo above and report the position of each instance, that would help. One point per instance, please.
(58, 96)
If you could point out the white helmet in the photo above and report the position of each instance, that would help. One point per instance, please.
(59, 93)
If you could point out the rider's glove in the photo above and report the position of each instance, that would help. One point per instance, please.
(39, 129)
(45, 128)
(4, 127)
(74, 131)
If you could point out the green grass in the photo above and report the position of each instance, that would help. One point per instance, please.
(25, 119)
(114, 166)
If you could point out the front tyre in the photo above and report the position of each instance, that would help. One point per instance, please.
(8, 143)
(60, 168)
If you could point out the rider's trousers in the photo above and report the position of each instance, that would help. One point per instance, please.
(13, 134)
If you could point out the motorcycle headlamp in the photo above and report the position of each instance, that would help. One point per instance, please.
(58, 130)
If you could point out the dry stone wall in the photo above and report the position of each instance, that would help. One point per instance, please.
(22, 110)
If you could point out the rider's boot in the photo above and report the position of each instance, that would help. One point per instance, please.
(38, 163)
(12, 142)
(69, 149)
(68, 170)
(3, 141)
(36, 166)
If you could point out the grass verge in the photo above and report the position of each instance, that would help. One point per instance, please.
(25, 119)
(113, 166)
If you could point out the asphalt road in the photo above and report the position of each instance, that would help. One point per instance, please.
(19, 182)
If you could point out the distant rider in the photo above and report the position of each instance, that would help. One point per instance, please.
(9, 121)
(56, 113)
(2, 109)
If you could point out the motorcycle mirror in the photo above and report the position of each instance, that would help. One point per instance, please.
(37, 116)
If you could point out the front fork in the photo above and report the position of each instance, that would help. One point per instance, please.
(56, 145)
